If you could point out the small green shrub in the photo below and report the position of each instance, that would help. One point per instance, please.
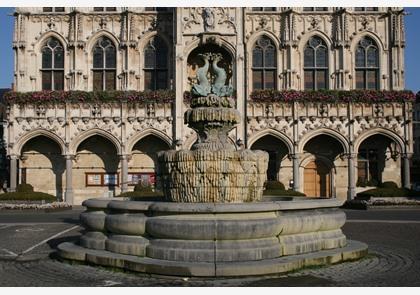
(387, 193)
(24, 188)
(139, 187)
(279, 192)
(142, 195)
(274, 184)
(27, 196)
(388, 184)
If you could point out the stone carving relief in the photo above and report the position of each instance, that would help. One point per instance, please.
(262, 22)
(208, 19)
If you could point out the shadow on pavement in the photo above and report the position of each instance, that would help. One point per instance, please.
(301, 281)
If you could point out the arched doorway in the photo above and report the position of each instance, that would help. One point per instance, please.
(43, 165)
(324, 172)
(317, 177)
(95, 171)
(277, 161)
(144, 161)
(378, 161)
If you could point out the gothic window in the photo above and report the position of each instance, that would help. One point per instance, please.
(98, 9)
(367, 64)
(366, 9)
(52, 70)
(104, 65)
(264, 64)
(315, 64)
(263, 9)
(315, 8)
(52, 9)
(156, 65)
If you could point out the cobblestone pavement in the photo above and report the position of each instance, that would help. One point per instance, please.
(394, 260)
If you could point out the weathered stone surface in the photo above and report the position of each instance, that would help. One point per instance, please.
(93, 220)
(182, 250)
(124, 244)
(71, 251)
(311, 221)
(352, 250)
(182, 227)
(97, 203)
(126, 224)
(93, 240)
(213, 176)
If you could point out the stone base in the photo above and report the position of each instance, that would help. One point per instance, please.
(212, 239)
(353, 250)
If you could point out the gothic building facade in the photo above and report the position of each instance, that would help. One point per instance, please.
(81, 148)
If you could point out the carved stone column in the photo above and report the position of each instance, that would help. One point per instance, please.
(296, 178)
(351, 188)
(13, 172)
(406, 170)
(124, 173)
(69, 179)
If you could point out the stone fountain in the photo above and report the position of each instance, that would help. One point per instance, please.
(213, 221)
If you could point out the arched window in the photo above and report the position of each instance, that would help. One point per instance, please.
(367, 64)
(52, 65)
(104, 65)
(264, 64)
(315, 64)
(156, 65)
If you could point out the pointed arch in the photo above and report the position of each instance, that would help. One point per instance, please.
(254, 37)
(369, 34)
(324, 131)
(97, 35)
(44, 37)
(282, 137)
(139, 136)
(315, 33)
(91, 132)
(17, 147)
(379, 131)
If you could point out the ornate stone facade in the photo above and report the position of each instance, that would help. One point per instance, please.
(71, 142)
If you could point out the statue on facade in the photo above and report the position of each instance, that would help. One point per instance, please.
(203, 87)
(218, 77)
(219, 88)
(208, 19)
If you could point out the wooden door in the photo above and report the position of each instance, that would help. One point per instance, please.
(317, 180)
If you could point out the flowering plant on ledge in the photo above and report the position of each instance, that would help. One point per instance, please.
(332, 96)
(40, 97)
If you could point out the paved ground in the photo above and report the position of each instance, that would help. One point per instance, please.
(28, 239)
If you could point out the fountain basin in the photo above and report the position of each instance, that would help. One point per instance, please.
(212, 239)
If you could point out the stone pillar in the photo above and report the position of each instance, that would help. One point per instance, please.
(406, 171)
(13, 172)
(69, 179)
(296, 178)
(351, 188)
(124, 173)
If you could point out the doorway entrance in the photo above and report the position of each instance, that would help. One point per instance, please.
(317, 179)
